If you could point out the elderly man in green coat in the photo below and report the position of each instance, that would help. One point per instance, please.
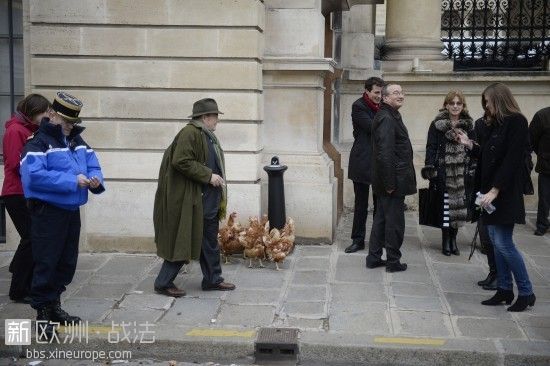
(191, 198)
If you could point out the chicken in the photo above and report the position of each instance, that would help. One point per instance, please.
(264, 220)
(228, 238)
(252, 240)
(288, 234)
(279, 244)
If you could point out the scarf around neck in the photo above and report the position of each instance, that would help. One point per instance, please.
(375, 107)
(221, 161)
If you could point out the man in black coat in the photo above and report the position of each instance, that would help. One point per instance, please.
(393, 179)
(359, 171)
(539, 133)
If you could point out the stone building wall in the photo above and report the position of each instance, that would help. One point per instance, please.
(138, 66)
(295, 67)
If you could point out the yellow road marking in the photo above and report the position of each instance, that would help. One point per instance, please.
(414, 341)
(220, 333)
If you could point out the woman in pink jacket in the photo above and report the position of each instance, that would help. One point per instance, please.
(19, 128)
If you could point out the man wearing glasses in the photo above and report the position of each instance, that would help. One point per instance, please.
(393, 179)
(57, 170)
(190, 201)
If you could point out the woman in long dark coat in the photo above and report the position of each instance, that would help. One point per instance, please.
(501, 157)
(451, 161)
(482, 129)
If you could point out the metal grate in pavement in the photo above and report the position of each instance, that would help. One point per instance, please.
(276, 344)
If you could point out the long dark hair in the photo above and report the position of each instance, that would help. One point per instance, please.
(32, 105)
(504, 103)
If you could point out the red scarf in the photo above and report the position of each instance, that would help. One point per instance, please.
(375, 107)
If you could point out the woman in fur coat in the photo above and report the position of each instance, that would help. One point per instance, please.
(451, 162)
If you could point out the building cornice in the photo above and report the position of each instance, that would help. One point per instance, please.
(298, 64)
(342, 5)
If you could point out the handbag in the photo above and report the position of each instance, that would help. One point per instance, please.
(428, 172)
(429, 207)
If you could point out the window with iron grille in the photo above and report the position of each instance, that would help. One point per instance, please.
(496, 34)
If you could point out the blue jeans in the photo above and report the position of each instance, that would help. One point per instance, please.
(509, 260)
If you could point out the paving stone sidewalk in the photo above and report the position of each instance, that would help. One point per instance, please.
(329, 295)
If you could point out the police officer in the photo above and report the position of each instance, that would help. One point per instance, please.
(57, 170)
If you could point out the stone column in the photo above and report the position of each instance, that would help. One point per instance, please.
(358, 28)
(413, 30)
(294, 68)
(358, 36)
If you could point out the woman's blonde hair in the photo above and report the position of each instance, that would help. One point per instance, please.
(502, 100)
(451, 95)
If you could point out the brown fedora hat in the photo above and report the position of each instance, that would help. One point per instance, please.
(205, 106)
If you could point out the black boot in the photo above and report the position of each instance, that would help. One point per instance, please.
(490, 278)
(522, 302)
(61, 316)
(396, 267)
(445, 241)
(355, 246)
(45, 330)
(500, 297)
(374, 263)
(491, 286)
(452, 236)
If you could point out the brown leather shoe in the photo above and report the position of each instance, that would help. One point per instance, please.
(170, 291)
(222, 286)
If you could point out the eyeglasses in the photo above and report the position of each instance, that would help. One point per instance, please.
(455, 103)
(397, 92)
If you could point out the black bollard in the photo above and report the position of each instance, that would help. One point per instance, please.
(276, 194)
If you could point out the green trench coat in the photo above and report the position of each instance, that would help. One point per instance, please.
(178, 214)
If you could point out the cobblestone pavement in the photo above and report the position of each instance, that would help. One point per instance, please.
(329, 295)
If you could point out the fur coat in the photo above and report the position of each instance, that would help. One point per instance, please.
(451, 161)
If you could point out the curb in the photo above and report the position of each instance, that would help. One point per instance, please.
(318, 348)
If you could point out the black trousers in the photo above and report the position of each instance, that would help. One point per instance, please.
(21, 265)
(209, 260)
(388, 228)
(360, 212)
(55, 235)
(544, 203)
(210, 253)
(488, 245)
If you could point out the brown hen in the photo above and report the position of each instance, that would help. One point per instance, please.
(279, 244)
(228, 238)
(252, 240)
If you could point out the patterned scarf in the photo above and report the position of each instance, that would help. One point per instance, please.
(456, 161)
(221, 161)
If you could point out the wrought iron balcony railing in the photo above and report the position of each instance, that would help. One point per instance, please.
(496, 34)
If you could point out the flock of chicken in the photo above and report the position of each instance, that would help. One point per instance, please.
(257, 241)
